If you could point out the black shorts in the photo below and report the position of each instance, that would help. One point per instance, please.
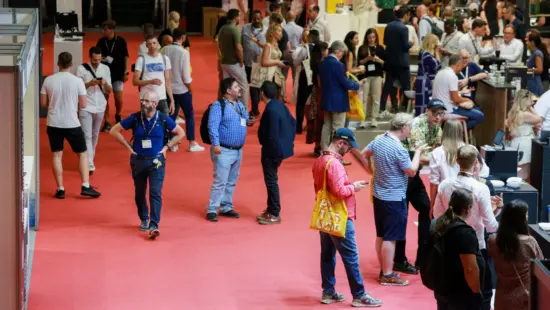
(390, 219)
(75, 137)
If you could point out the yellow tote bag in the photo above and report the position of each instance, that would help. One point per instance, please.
(355, 112)
(330, 214)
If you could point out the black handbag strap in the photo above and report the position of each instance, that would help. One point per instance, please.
(87, 67)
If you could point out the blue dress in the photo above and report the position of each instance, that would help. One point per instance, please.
(534, 83)
(427, 69)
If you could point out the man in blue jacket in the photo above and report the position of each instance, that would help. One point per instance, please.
(276, 134)
(335, 86)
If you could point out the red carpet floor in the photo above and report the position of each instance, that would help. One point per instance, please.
(90, 255)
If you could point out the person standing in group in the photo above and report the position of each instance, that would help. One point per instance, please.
(428, 65)
(274, 8)
(254, 31)
(396, 40)
(294, 39)
(227, 131)
(481, 217)
(512, 250)
(335, 85)
(152, 74)
(318, 23)
(231, 48)
(240, 5)
(181, 79)
(392, 169)
(97, 79)
(364, 16)
(115, 55)
(173, 24)
(148, 30)
(276, 135)
(148, 156)
(328, 167)
(63, 94)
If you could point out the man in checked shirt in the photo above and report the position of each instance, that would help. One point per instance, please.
(227, 130)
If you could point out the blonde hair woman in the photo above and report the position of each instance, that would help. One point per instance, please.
(173, 23)
(521, 120)
(428, 66)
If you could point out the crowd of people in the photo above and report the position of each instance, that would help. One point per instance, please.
(255, 59)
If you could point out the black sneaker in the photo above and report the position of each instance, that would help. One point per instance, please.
(405, 267)
(212, 217)
(60, 194)
(117, 118)
(106, 127)
(231, 214)
(144, 225)
(90, 192)
(154, 231)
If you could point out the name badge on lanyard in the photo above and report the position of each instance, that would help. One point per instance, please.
(147, 143)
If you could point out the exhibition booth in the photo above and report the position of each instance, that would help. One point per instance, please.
(19, 122)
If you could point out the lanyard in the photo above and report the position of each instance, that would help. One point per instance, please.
(449, 38)
(112, 47)
(234, 106)
(466, 174)
(462, 73)
(474, 43)
(152, 127)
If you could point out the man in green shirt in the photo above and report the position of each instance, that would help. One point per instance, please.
(231, 49)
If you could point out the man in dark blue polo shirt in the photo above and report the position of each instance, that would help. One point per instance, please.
(227, 132)
(276, 134)
(148, 156)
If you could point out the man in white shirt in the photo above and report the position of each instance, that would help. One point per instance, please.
(445, 88)
(449, 42)
(152, 74)
(471, 41)
(294, 39)
(64, 94)
(148, 30)
(542, 107)
(318, 23)
(480, 217)
(181, 85)
(241, 5)
(274, 7)
(97, 79)
(424, 23)
(512, 48)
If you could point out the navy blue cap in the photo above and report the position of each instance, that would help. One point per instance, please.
(346, 134)
(436, 104)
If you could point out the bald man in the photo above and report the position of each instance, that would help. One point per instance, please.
(424, 25)
(363, 17)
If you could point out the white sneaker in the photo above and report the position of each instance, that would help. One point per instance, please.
(91, 168)
(196, 148)
(174, 148)
(180, 120)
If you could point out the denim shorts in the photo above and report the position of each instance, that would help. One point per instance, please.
(390, 219)
(118, 86)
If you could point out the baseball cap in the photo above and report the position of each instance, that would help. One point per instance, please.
(436, 104)
(346, 134)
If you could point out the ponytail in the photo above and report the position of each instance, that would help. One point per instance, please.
(460, 203)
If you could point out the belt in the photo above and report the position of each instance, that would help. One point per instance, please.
(235, 148)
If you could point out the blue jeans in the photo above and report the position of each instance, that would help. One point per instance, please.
(185, 101)
(475, 116)
(350, 256)
(144, 170)
(227, 166)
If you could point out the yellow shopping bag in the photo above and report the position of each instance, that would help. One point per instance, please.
(330, 214)
(355, 112)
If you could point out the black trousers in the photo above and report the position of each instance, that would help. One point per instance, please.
(303, 93)
(487, 284)
(254, 94)
(418, 197)
(401, 74)
(270, 167)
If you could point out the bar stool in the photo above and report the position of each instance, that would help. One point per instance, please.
(468, 134)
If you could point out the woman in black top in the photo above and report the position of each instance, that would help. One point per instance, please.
(463, 263)
(173, 23)
(371, 56)
(491, 16)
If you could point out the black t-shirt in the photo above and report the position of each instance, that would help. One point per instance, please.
(118, 50)
(282, 43)
(374, 51)
(460, 240)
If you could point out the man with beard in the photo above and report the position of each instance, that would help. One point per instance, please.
(151, 129)
(328, 167)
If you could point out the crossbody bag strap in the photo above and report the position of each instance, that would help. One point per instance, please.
(520, 281)
(326, 172)
(87, 67)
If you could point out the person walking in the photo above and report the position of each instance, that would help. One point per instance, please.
(63, 94)
(276, 134)
(148, 156)
(227, 131)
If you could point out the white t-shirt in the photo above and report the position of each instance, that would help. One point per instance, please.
(154, 69)
(143, 50)
(63, 89)
(542, 107)
(445, 81)
(181, 70)
(96, 98)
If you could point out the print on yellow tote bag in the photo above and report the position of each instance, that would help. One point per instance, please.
(355, 112)
(330, 214)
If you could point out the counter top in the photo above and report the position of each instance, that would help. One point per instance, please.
(495, 85)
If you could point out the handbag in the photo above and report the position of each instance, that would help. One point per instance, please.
(356, 111)
(330, 214)
(257, 74)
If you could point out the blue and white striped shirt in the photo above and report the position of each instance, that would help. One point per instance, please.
(231, 130)
(391, 160)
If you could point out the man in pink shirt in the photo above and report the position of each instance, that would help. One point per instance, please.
(339, 185)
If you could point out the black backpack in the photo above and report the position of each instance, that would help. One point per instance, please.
(205, 136)
(435, 29)
(163, 118)
(432, 267)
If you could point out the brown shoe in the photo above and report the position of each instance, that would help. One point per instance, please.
(269, 219)
(261, 216)
(393, 280)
